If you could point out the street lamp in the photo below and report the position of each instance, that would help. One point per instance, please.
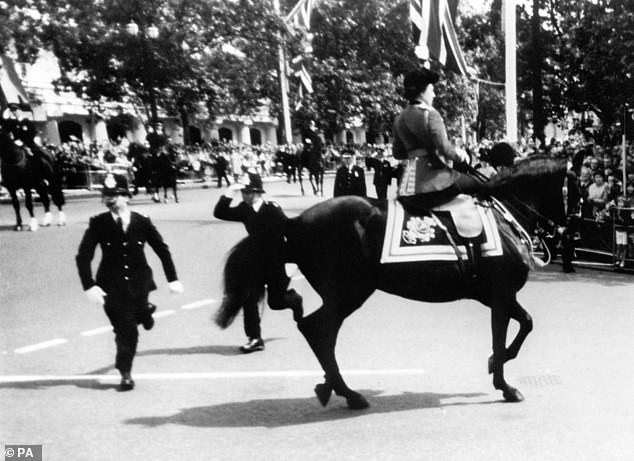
(152, 33)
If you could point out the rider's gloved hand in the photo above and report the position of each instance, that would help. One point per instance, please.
(95, 295)
(464, 157)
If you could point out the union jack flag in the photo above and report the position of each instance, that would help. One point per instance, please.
(300, 18)
(11, 89)
(434, 33)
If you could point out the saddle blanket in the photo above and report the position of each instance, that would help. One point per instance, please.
(422, 238)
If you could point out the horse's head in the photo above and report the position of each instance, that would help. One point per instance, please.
(534, 191)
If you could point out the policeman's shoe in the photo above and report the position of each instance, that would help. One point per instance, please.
(127, 384)
(253, 345)
(293, 301)
(148, 320)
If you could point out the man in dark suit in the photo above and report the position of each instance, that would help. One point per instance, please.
(350, 178)
(124, 278)
(382, 173)
(266, 222)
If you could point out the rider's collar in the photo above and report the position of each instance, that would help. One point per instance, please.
(423, 105)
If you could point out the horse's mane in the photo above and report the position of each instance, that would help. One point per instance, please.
(527, 173)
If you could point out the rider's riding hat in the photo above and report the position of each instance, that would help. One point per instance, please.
(416, 81)
(115, 184)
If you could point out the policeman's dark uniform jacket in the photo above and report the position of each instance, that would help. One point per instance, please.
(267, 225)
(123, 272)
(349, 180)
(421, 140)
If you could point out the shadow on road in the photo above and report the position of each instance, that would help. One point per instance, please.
(290, 412)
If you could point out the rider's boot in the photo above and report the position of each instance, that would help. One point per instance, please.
(474, 255)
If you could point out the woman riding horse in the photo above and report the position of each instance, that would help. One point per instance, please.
(337, 245)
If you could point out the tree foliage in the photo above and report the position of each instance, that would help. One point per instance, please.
(586, 56)
(184, 69)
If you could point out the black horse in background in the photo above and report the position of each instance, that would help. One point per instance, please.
(337, 246)
(143, 166)
(28, 166)
(166, 173)
(312, 159)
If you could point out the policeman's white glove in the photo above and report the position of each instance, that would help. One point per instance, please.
(176, 287)
(95, 295)
(232, 189)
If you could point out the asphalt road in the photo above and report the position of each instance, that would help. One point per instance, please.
(422, 366)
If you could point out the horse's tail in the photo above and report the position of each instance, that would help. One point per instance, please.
(242, 274)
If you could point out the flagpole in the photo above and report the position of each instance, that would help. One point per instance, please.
(510, 66)
(288, 135)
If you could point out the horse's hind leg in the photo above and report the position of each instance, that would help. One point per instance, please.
(320, 330)
(175, 187)
(500, 317)
(46, 202)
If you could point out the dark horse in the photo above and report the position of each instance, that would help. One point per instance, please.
(27, 166)
(166, 173)
(312, 159)
(337, 246)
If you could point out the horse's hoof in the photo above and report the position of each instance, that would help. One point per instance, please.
(61, 219)
(33, 225)
(512, 395)
(48, 219)
(323, 393)
(357, 402)
(18, 227)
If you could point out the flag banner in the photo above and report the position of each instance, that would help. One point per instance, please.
(11, 89)
(300, 14)
(434, 33)
(300, 18)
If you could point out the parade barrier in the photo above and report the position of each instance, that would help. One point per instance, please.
(609, 242)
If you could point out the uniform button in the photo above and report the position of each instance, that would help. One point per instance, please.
(126, 277)
(126, 267)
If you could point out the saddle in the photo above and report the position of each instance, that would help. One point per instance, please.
(464, 214)
(460, 230)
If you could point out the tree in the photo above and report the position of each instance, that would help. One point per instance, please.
(586, 48)
(167, 53)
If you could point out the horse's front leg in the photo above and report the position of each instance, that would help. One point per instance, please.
(525, 321)
(28, 202)
(499, 326)
(15, 201)
(320, 330)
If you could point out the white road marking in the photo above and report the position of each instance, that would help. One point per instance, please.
(97, 331)
(164, 313)
(197, 304)
(38, 346)
(207, 375)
